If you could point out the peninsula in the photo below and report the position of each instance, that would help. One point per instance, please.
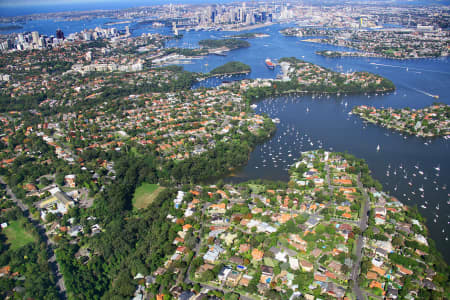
(305, 77)
(399, 43)
(427, 122)
(330, 232)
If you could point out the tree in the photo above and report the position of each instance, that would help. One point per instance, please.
(59, 179)
(345, 269)
(208, 276)
(397, 241)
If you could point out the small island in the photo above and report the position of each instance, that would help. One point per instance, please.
(250, 35)
(304, 77)
(231, 68)
(427, 122)
(231, 44)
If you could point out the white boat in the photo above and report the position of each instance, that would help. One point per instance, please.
(438, 168)
(378, 148)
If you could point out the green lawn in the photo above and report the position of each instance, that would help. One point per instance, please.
(17, 235)
(257, 188)
(145, 194)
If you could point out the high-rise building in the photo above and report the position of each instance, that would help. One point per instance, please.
(35, 36)
(87, 36)
(41, 42)
(88, 56)
(59, 34)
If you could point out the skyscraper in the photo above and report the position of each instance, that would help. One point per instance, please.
(35, 36)
(59, 34)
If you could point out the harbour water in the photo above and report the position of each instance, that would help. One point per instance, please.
(404, 164)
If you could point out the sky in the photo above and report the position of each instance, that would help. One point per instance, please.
(12, 3)
(54, 2)
(66, 2)
(27, 7)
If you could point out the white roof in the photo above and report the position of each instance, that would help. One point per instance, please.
(54, 190)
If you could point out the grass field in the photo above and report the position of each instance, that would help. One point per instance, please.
(145, 194)
(257, 188)
(17, 235)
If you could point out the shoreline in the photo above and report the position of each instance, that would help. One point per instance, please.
(226, 74)
(361, 54)
(251, 27)
(370, 55)
(400, 130)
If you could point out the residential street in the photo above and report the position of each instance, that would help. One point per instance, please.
(359, 243)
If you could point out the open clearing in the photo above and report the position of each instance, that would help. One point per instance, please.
(17, 235)
(145, 194)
